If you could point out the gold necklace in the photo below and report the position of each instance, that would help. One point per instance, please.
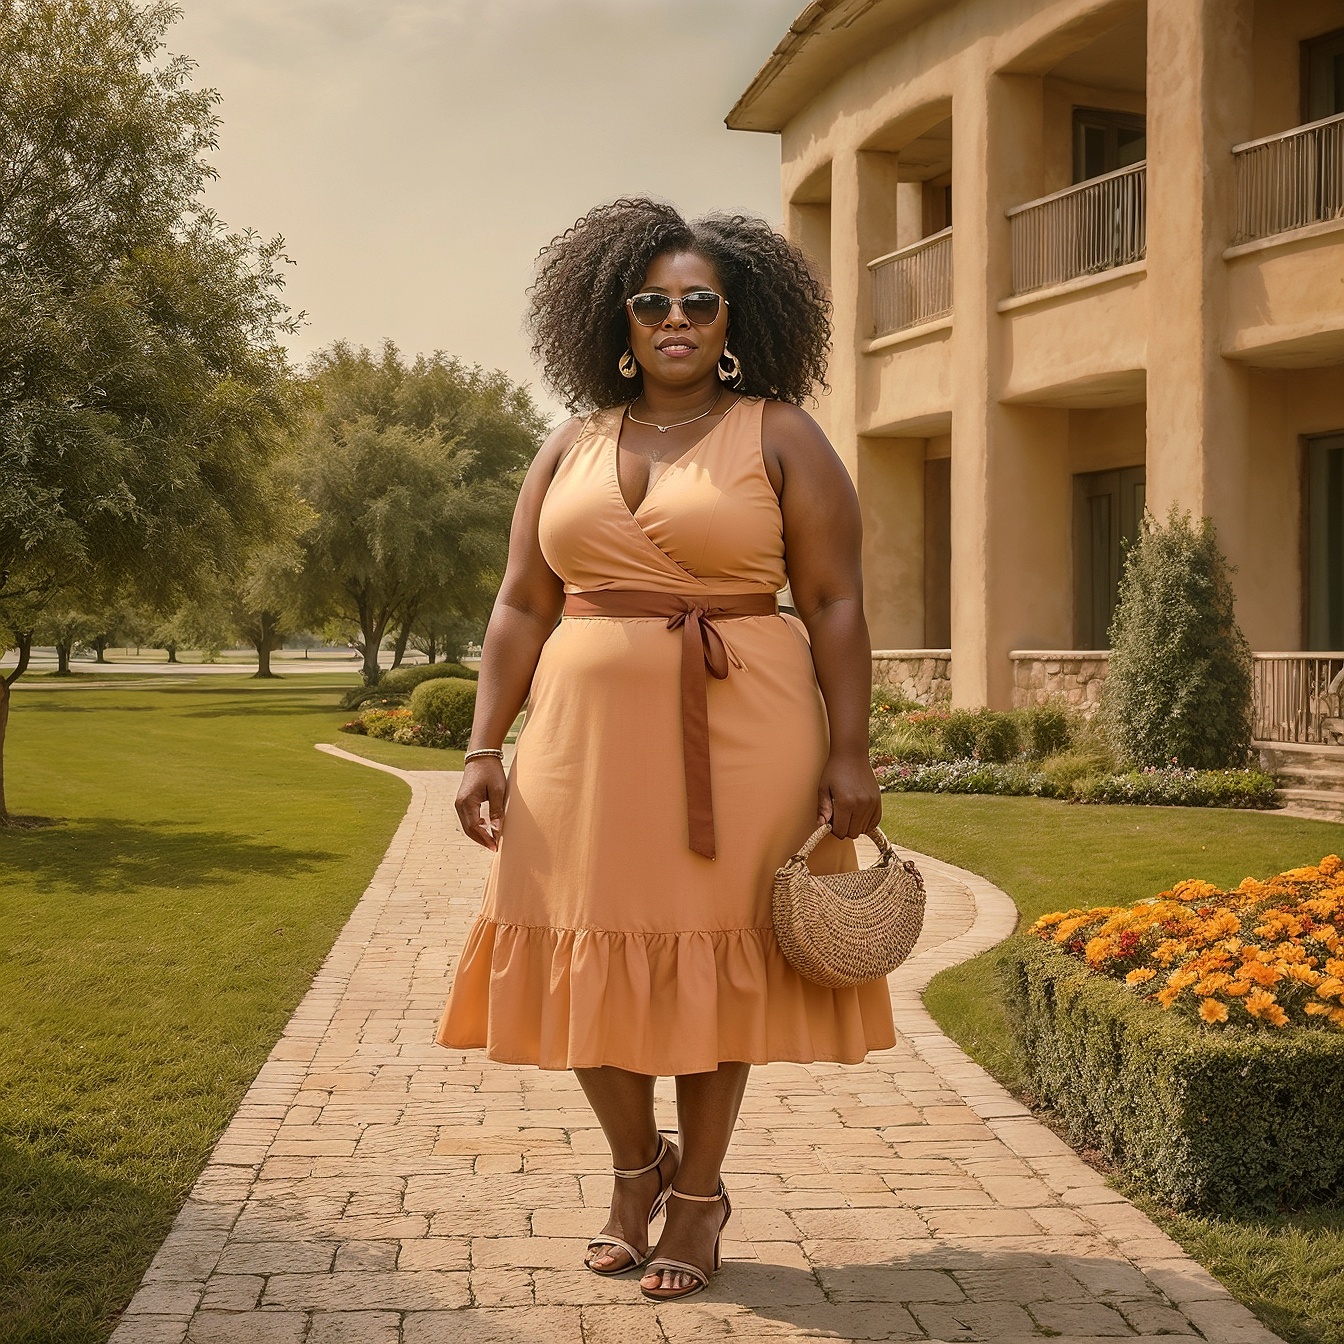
(676, 424)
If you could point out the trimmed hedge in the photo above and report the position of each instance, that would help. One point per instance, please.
(1174, 787)
(1226, 1121)
(395, 687)
(445, 707)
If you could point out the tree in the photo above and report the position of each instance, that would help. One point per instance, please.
(411, 473)
(65, 626)
(142, 384)
(1179, 685)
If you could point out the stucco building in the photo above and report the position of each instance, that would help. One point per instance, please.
(1086, 256)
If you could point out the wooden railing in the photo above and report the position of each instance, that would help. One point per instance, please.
(1094, 226)
(1299, 697)
(1290, 180)
(913, 285)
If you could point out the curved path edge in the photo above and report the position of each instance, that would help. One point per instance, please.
(243, 1260)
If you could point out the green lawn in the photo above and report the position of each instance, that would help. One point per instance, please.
(152, 946)
(1050, 855)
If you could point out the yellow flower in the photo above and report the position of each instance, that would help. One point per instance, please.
(1166, 997)
(1182, 979)
(1330, 987)
(1260, 1002)
(1210, 1010)
(1140, 975)
(1317, 1009)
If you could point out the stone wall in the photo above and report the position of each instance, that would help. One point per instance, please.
(1073, 675)
(923, 675)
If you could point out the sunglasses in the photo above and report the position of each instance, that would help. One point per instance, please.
(700, 307)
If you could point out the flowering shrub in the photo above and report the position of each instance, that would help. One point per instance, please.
(354, 726)
(1265, 954)
(383, 723)
(1173, 786)
(964, 776)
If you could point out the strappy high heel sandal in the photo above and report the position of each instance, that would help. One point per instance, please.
(701, 1276)
(637, 1258)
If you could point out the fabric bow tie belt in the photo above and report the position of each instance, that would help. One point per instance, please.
(703, 654)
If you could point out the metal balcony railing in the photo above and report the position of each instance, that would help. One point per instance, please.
(1299, 697)
(1290, 180)
(1094, 226)
(913, 285)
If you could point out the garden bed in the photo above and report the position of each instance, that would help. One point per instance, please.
(1195, 1039)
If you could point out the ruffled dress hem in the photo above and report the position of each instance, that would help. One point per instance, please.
(653, 1003)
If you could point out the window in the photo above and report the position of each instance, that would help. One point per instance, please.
(1323, 76)
(1108, 506)
(1104, 141)
(1325, 542)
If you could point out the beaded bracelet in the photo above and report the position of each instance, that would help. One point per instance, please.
(496, 752)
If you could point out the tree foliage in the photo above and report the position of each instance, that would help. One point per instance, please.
(1179, 685)
(142, 383)
(411, 472)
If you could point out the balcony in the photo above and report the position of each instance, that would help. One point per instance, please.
(1290, 180)
(1299, 697)
(912, 286)
(1095, 226)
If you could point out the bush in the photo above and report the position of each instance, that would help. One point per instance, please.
(395, 687)
(983, 733)
(445, 706)
(1175, 787)
(1067, 769)
(1227, 1122)
(1178, 687)
(1045, 730)
(380, 722)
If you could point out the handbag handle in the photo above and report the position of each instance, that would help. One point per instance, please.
(884, 849)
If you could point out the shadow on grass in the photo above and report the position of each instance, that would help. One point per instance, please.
(110, 854)
(73, 1245)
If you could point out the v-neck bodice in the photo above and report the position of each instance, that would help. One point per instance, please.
(710, 521)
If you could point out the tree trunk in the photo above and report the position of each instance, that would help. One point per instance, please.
(172, 653)
(431, 648)
(399, 648)
(267, 624)
(25, 645)
(99, 647)
(63, 658)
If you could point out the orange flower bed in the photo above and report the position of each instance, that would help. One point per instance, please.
(1267, 954)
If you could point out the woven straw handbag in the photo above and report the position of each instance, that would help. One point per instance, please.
(842, 929)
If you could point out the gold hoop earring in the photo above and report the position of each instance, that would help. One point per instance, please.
(628, 365)
(732, 373)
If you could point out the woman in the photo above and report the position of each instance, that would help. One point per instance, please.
(682, 738)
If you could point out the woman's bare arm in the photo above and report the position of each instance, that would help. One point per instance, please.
(525, 612)
(822, 543)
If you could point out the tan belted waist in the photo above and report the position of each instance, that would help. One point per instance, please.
(702, 651)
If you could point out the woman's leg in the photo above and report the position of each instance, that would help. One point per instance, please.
(707, 1107)
(623, 1104)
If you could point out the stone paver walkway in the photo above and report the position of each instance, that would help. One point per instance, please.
(376, 1189)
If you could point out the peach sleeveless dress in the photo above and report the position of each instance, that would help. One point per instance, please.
(603, 939)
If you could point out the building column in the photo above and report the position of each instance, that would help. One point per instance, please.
(890, 482)
(1199, 106)
(1011, 489)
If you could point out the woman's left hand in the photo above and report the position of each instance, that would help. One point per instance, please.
(848, 796)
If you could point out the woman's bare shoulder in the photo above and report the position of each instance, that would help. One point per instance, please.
(791, 437)
(557, 444)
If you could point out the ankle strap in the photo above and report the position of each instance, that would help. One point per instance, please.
(699, 1199)
(643, 1171)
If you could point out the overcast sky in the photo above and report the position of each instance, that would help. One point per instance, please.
(416, 154)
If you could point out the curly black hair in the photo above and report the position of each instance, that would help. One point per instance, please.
(780, 316)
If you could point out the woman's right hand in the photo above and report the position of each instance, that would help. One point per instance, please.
(482, 787)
